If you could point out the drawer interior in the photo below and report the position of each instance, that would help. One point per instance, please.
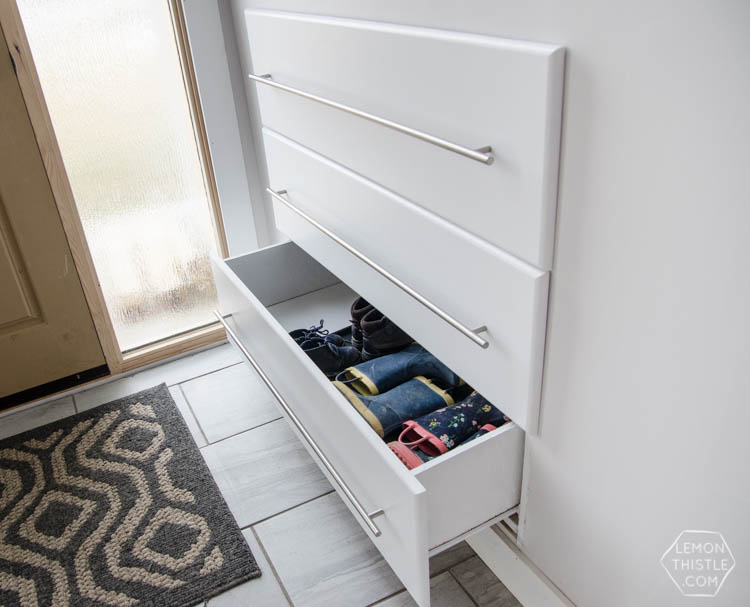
(299, 293)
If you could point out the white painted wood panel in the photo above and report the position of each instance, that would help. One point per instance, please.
(489, 466)
(302, 274)
(473, 90)
(474, 282)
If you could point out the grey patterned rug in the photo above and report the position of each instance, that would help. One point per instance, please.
(115, 506)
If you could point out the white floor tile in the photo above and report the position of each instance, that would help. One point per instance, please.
(188, 416)
(323, 557)
(186, 368)
(264, 591)
(170, 373)
(229, 401)
(88, 399)
(34, 417)
(264, 471)
(482, 585)
(444, 592)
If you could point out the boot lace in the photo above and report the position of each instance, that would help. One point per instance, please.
(318, 331)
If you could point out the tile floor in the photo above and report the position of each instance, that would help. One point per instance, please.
(310, 549)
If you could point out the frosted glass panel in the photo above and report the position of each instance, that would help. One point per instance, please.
(111, 75)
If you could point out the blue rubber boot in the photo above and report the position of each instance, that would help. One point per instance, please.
(381, 374)
(387, 412)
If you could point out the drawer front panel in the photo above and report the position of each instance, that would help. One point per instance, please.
(470, 89)
(488, 469)
(468, 279)
(377, 478)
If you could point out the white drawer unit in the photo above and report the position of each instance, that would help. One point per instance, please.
(408, 514)
(473, 283)
(416, 168)
(414, 109)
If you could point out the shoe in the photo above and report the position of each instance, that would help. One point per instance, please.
(380, 336)
(441, 430)
(412, 457)
(387, 412)
(307, 338)
(312, 334)
(379, 375)
(358, 311)
(331, 352)
(331, 355)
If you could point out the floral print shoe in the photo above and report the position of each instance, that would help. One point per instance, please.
(412, 457)
(437, 432)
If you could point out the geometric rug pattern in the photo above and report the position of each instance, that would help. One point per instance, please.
(115, 506)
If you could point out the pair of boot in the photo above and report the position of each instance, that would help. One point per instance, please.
(431, 435)
(392, 389)
(374, 334)
(331, 352)
(378, 375)
(370, 335)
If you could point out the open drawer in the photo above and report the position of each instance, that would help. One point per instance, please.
(409, 515)
(478, 309)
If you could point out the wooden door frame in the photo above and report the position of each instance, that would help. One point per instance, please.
(31, 88)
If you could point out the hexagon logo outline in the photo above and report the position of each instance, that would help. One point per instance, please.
(671, 573)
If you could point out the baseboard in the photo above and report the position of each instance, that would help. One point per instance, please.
(514, 569)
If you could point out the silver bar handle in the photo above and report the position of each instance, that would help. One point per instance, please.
(473, 335)
(364, 515)
(483, 154)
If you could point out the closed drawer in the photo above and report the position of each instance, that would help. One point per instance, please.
(471, 281)
(265, 294)
(472, 90)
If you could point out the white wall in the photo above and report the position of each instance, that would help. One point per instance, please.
(221, 86)
(646, 405)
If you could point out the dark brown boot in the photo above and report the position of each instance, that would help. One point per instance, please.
(380, 336)
(359, 310)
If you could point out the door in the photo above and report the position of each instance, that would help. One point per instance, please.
(46, 330)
